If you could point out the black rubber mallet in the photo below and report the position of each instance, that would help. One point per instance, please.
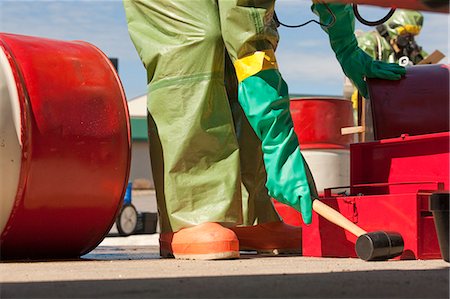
(372, 246)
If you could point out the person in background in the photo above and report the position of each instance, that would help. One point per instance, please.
(394, 41)
(221, 136)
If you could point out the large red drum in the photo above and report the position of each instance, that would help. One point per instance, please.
(64, 147)
(318, 122)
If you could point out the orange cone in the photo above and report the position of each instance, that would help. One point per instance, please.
(207, 241)
(270, 238)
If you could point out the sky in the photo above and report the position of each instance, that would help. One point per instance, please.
(305, 58)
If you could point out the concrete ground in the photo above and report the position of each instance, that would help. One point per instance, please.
(130, 267)
(131, 271)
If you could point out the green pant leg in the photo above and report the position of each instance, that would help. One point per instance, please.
(257, 206)
(194, 150)
(250, 38)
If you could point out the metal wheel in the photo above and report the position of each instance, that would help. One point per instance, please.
(127, 220)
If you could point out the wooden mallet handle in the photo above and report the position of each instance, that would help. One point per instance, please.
(337, 218)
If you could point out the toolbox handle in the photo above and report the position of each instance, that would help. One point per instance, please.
(327, 191)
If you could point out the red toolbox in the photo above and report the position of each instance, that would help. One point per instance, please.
(391, 182)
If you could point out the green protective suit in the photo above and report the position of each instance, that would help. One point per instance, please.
(207, 161)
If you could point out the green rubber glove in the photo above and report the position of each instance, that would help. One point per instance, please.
(265, 101)
(355, 63)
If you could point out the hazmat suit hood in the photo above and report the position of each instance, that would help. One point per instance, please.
(404, 21)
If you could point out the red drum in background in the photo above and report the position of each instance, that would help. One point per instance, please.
(65, 147)
(318, 122)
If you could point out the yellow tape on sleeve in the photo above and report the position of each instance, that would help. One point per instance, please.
(254, 63)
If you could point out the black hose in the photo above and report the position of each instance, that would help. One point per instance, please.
(372, 23)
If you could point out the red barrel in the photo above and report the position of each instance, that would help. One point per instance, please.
(66, 147)
(318, 122)
(417, 104)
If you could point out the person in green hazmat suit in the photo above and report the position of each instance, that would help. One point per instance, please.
(218, 152)
(393, 41)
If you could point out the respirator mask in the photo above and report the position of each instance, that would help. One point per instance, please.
(406, 46)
